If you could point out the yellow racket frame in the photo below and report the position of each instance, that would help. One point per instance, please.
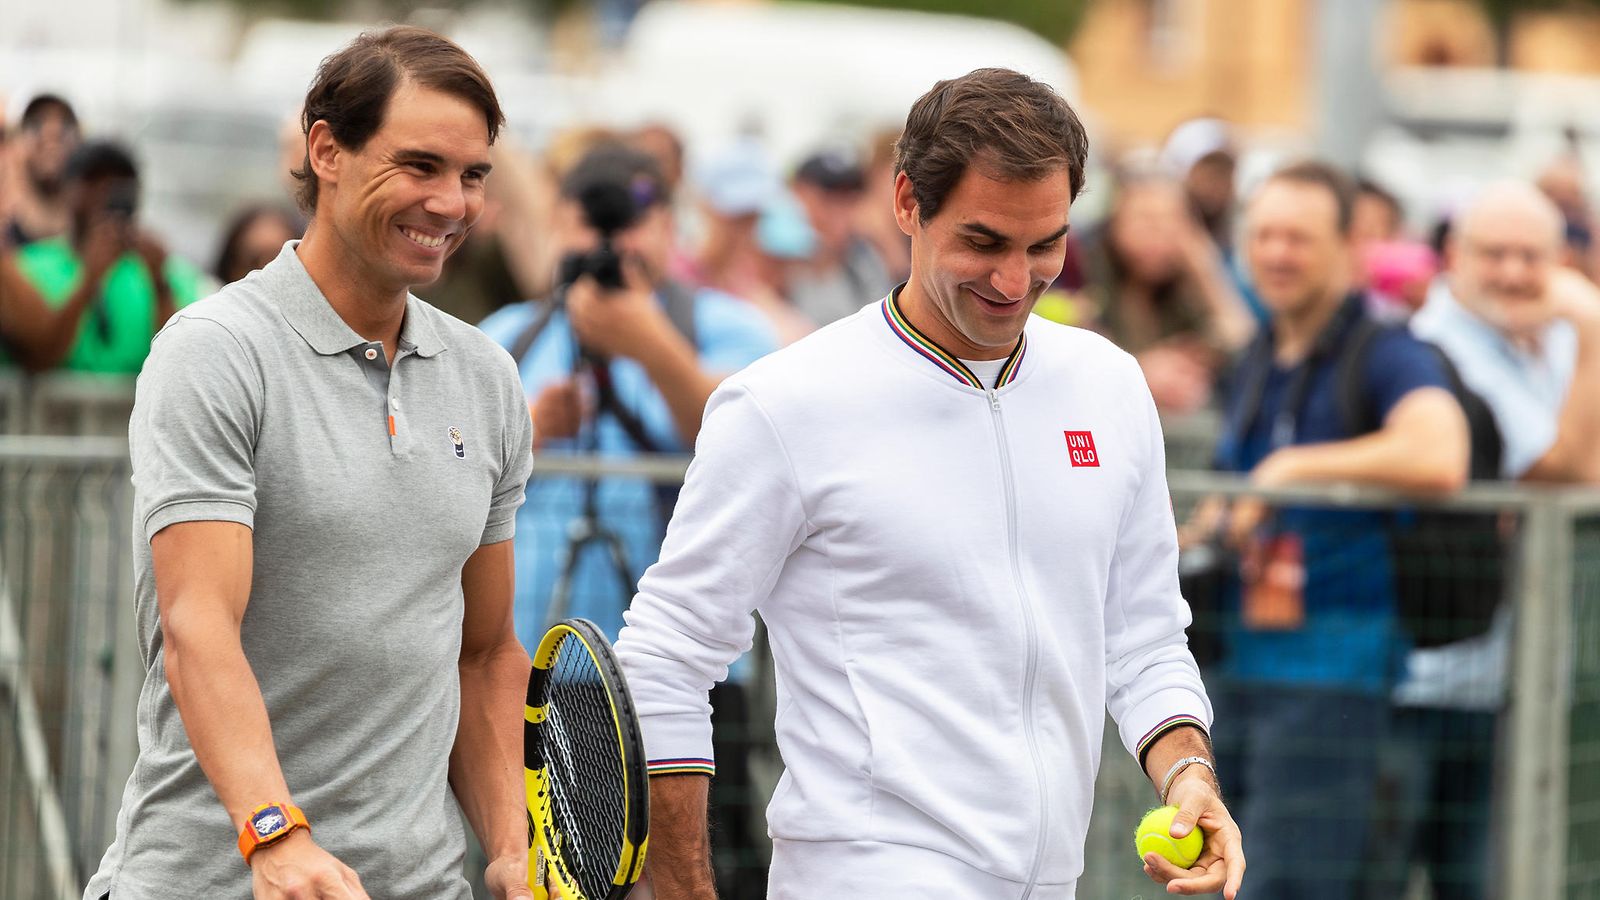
(544, 860)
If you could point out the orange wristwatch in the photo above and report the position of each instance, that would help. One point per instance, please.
(269, 823)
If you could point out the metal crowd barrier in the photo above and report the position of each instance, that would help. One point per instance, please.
(74, 404)
(70, 672)
(1545, 832)
(69, 666)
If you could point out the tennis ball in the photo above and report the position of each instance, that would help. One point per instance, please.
(1155, 835)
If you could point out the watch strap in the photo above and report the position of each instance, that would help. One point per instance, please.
(252, 839)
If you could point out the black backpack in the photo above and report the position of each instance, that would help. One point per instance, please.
(1449, 566)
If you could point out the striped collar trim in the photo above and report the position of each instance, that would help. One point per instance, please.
(927, 349)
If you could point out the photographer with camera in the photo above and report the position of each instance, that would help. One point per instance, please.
(618, 363)
(107, 286)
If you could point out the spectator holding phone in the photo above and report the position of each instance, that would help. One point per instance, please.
(108, 284)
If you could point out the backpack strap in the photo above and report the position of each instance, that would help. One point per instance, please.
(1354, 401)
(1359, 416)
(1483, 431)
(1250, 375)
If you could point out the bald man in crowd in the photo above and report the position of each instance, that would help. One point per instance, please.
(1523, 331)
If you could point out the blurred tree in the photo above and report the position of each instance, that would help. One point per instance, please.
(1055, 20)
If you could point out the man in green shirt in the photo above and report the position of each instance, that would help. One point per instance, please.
(109, 284)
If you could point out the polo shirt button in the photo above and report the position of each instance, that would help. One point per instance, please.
(394, 404)
(372, 353)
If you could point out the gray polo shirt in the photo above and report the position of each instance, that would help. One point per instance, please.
(367, 487)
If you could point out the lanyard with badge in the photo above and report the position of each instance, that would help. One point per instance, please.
(1272, 564)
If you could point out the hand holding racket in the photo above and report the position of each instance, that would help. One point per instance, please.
(584, 770)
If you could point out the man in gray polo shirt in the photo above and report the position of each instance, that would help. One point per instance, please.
(326, 476)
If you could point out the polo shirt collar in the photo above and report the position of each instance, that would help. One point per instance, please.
(308, 312)
(419, 329)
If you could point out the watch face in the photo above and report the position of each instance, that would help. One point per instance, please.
(269, 821)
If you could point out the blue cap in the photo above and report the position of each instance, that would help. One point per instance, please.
(738, 180)
(784, 230)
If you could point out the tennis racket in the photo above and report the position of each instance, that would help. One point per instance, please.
(584, 769)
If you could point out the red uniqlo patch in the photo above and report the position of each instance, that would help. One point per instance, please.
(1080, 447)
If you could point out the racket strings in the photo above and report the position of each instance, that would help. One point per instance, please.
(588, 791)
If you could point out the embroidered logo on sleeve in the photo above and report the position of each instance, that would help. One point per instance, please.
(455, 440)
(1080, 448)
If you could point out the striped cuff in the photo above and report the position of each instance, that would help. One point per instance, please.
(1162, 727)
(682, 766)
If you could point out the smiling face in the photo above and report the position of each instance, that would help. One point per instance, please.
(1503, 252)
(1297, 254)
(981, 262)
(405, 200)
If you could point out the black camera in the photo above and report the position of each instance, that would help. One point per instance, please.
(608, 207)
(614, 187)
(122, 198)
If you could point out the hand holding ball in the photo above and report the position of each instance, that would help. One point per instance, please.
(1155, 836)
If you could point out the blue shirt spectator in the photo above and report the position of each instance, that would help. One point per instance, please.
(729, 334)
(1349, 638)
(1310, 641)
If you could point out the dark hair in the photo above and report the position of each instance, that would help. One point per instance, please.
(1370, 188)
(615, 182)
(42, 105)
(352, 89)
(1021, 128)
(99, 160)
(1330, 178)
(228, 257)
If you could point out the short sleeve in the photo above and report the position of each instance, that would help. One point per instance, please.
(1398, 364)
(516, 457)
(192, 435)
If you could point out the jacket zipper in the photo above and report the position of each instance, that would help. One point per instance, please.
(1031, 626)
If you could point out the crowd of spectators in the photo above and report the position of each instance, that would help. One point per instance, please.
(1333, 340)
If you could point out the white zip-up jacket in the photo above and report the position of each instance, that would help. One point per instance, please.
(957, 582)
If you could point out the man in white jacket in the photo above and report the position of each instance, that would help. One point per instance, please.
(955, 523)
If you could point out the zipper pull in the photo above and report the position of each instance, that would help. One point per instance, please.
(994, 399)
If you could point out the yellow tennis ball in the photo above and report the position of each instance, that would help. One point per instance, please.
(1155, 836)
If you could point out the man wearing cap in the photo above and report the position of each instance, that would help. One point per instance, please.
(844, 270)
(326, 473)
(735, 185)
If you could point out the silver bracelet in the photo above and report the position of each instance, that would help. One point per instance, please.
(1179, 766)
